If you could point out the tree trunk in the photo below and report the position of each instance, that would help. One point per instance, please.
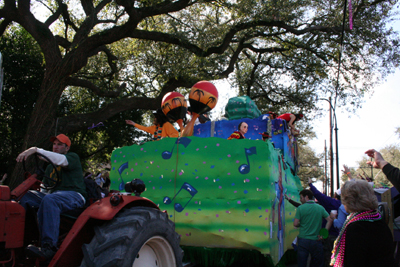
(43, 121)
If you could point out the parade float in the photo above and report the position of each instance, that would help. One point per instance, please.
(226, 197)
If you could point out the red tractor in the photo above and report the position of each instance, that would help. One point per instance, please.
(121, 229)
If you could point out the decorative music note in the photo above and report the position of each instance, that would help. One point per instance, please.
(245, 168)
(178, 207)
(183, 140)
(120, 170)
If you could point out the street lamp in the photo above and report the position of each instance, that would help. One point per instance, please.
(336, 140)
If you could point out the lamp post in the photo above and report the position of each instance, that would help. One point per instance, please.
(337, 149)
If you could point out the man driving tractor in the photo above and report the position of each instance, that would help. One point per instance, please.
(68, 192)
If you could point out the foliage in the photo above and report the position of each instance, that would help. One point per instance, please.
(24, 70)
(129, 54)
(310, 163)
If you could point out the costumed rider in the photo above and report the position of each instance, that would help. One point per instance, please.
(161, 127)
(242, 130)
(291, 119)
(68, 194)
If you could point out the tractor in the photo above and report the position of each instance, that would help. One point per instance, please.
(122, 229)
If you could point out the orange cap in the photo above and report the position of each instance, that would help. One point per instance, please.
(62, 138)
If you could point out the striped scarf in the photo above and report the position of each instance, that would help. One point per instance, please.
(157, 133)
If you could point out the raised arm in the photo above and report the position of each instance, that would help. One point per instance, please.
(149, 129)
(346, 170)
(391, 172)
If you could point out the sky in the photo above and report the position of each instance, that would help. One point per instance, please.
(372, 126)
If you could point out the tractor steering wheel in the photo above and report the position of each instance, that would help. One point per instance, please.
(42, 173)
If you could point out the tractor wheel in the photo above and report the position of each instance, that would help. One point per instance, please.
(136, 237)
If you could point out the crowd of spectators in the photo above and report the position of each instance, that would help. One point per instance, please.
(359, 236)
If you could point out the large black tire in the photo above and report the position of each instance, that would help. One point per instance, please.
(138, 236)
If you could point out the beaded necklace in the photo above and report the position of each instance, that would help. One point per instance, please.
(337, 258)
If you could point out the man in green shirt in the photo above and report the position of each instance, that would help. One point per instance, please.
(68, 194)
(308, 218)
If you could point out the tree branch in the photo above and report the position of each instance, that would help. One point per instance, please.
(50, 20)
(73, 81)
(78, 122)
(61, 41)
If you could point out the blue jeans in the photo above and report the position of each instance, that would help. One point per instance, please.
(50, 208)
(313, 247)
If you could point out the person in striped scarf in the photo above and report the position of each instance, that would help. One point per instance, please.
(161, 127)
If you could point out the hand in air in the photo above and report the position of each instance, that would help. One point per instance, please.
(379, 162)
(130, 122)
